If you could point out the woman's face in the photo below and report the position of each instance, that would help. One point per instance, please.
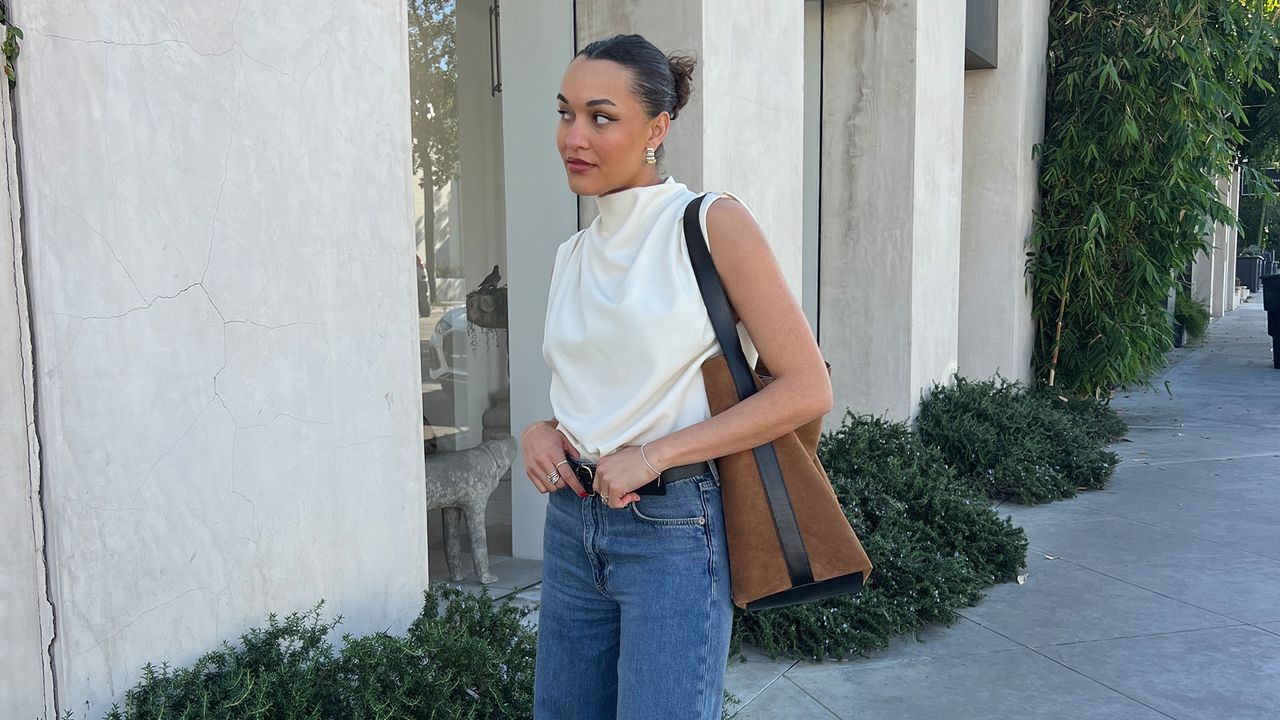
(604, 130)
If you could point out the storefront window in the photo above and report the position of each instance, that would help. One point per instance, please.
(461, 260)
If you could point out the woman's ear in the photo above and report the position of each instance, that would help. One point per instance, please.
(658, 130)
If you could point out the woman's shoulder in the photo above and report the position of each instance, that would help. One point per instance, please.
(731, 213)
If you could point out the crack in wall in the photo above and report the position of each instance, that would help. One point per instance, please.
(155, 43)
(47, 609)
(130, 311)
(235, 44)
(101, 236)
(226, 164)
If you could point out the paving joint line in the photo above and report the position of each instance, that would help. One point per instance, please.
(821, 704)
(927, 658)
(1078, 672)
(1147, 589)
(1152, 634)
(1249, 456)
(1178, 530)
(1198, 491)
(767, 685)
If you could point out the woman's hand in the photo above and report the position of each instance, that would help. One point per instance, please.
(619, 473)
(543, 448)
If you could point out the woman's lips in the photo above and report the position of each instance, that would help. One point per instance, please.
(578, 165)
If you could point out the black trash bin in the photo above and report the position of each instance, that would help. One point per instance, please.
(1271, 303)
(1249, 271)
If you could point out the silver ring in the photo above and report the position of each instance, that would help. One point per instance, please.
(554, 477)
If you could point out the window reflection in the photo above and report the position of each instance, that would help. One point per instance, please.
(461, 250)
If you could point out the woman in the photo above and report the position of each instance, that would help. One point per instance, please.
(636, 607)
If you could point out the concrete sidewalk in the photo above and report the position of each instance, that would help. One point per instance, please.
(1156, 598)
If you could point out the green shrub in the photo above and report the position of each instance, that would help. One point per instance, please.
(286, 670)
(464, 656)
(1191, 315)
(935, 544)
(1013, 444)
(1095, 418)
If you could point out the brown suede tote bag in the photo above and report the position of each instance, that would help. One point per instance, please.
(789, 539)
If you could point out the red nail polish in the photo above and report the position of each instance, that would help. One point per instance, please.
(582, 494)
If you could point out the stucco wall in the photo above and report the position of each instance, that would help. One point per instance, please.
(223, 305)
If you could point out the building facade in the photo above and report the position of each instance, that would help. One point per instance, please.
(223, 374)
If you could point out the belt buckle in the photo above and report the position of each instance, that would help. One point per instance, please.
(585, 472)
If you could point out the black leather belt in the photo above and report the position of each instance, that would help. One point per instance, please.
(585, 472)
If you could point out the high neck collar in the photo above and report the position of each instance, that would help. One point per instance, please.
(616, 207)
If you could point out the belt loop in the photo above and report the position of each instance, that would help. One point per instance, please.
(715, 470)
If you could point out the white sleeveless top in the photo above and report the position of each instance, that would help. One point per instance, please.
(626, 329)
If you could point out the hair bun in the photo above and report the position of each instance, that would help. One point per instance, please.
(682, 74)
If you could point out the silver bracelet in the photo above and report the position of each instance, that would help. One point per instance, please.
(646, 460)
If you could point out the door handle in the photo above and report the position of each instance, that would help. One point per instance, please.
(495, 49)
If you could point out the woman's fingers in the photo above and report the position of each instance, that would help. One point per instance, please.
(538, 478)
(567, 477)
(620, 503)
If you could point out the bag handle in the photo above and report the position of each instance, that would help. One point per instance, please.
(717, 302)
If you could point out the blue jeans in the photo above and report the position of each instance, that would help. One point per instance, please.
(636, 607)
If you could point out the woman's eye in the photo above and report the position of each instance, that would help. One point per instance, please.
(600, 119)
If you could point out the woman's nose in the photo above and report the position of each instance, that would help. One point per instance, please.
(575, 136)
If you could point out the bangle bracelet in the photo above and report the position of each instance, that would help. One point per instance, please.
(646, 460)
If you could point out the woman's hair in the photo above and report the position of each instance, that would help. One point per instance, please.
(662, 82)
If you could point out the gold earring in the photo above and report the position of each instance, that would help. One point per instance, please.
(649, 156)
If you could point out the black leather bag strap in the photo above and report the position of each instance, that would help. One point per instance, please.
(717, 302)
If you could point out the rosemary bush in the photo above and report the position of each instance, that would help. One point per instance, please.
(1011, 443)
(934, 541)
(1191, 315)
(464, 656)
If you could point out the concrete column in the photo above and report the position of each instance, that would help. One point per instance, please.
(1003, 119)
(1233, 235)
(1223, 282)
(743, 129)
(1202, 273)
(893, 105)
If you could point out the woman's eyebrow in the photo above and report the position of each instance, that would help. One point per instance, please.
(590, 103)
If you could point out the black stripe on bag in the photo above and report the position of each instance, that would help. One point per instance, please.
(717, 302)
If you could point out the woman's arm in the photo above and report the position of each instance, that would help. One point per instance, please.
(757, 290)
